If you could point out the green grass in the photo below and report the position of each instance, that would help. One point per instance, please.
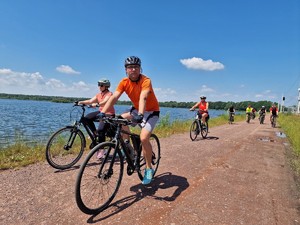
(290, 124)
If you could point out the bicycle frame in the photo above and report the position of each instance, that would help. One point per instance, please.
(120, 144)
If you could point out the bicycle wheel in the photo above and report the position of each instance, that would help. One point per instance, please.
(65, 147)
(98, 180)
(248, 118)
(273, 122)
(194, 130)
(155, 157)
(204, 129)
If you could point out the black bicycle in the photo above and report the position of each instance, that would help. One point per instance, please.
(262, 117)
(198, 127)
(231, 117)
(66, 146)
(273, 120)
(98, 180)
(248, 117)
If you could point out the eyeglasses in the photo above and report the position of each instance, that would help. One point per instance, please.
(132, 67)
(100, 85)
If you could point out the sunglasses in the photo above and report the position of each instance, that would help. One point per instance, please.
(100, 85)
(132, 67)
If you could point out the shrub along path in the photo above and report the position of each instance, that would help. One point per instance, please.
(238, 175)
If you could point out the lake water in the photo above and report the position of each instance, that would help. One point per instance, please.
(35, 121)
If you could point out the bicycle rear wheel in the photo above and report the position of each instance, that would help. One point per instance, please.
(98, 180)
(65, 147)
(204, 130)
(155, 157)
(194, 130)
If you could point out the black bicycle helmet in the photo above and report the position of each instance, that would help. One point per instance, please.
(202, 97)
(104, 82)
(133, 60)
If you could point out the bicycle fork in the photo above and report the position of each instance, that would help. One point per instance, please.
(71, 139)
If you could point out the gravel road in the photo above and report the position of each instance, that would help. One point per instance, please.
(240, 174)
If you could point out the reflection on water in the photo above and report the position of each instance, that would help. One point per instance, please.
(35, 121)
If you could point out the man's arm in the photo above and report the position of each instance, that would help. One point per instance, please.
(143, 99)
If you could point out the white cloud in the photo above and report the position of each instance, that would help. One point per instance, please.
(66, 69)
(206, 89)
(200, 64)
(13, 82)
(55, 84)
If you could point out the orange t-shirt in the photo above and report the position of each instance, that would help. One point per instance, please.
(134, 88)
(100, 96)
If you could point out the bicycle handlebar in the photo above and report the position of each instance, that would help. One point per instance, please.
(116, 120)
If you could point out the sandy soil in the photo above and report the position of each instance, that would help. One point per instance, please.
(239, 175)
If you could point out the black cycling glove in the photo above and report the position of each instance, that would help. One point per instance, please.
(138, 118)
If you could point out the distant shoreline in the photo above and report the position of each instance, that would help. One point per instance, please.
(219, 105)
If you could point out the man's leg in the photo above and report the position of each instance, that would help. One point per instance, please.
(147, 147)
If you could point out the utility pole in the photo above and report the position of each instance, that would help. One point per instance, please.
(298, 110)
(282, 103)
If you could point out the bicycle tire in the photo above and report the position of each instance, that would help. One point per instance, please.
(95, 185)
(194, 130)
(204, 130)
(248, 118)
(273, 122)
(61, 156)
(230, 119)
(155, 157)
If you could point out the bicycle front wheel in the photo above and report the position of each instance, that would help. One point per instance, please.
(65, 147)
(204, 130)
(194, 130)
(98, 180)
(155, 157)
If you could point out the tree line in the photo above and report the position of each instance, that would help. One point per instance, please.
(219, 105)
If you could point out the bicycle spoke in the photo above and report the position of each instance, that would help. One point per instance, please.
(65, 148)
(98, 180)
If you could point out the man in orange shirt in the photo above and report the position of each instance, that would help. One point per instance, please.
(145, 110)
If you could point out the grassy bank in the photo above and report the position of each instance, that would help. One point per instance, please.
(290, 125)
(20, 154)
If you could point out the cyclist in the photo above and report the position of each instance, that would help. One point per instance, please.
(262, 111)
(273, 111)
(203, 109)
(145, 110)
(99, 99)
(248, 111)
(253, 113)
(231, 111)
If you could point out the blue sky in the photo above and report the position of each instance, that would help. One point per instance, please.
(227, 50)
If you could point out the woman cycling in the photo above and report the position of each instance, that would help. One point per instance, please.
(203, 109)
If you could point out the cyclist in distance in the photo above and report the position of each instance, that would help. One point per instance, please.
(249, 110)
(262, 110)
(203, 109)
(99, 99)
(273, 111)
(145, 110)
(231, 110)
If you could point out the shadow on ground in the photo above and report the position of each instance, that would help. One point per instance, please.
(162, 181)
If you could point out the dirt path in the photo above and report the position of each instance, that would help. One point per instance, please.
(238, 175)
